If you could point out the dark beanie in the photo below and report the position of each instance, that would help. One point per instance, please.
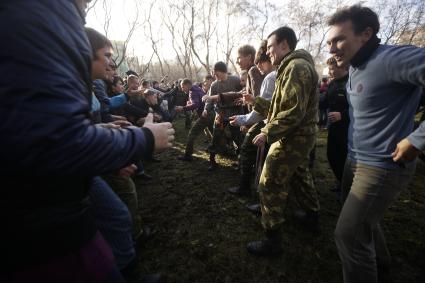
(221, 67)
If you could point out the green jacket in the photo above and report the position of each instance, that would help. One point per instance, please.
(294, 105)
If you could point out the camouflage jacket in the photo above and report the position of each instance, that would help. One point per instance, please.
(294, 105)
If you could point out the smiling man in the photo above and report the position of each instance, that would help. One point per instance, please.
(290, 131)
(383, 90)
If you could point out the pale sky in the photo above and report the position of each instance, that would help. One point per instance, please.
(124, 11)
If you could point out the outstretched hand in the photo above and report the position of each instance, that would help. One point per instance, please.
(233, 120)
(163, 133)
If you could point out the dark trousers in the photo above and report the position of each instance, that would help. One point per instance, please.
(219, 140)
(248, 152)
(367, 192)
(337, 148)
(197, 128)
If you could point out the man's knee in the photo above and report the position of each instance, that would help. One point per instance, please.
(344, 235)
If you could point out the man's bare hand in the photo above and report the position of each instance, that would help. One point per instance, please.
(118, 117)
(178, 108)
(204, 114)
(109, 125)
(121, 123)
(248, 98)
(334, 117)
(126, 172)
(244, 129)
(405, 152)
(238, 101)
(233, 120)
(260, 140)
(163, 133)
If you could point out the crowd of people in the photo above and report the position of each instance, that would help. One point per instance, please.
(75, 133)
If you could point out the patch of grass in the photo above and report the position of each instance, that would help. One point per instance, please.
(202, 231)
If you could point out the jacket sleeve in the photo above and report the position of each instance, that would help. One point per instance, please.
(117, 101)
(228, 98)
(262, 106)
(45, 99)
(209, 106)
(409, 63)
(194, 101)
(290, 107)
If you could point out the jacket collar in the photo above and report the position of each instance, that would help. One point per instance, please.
(365, 52)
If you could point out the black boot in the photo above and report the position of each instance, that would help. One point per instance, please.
(243, 188)
(269, 246)
(308, 219)
(213, 163)
(254, 208)
(185, 157)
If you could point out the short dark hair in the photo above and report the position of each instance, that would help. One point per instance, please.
(285, 33)
(247, 50)
(145, 83)
(208, 77)
(361, 18)
(221, 67)
(186, 81)
(131, 72)
(97, 41)
(261, 55)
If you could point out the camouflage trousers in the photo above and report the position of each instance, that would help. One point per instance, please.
(126, 191)
(286, 172)
(248, 152)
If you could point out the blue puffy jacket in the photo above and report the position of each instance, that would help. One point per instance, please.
(49, 148)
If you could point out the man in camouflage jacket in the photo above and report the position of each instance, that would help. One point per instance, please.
(290, 131)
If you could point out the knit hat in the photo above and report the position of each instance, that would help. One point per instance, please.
(221, 67)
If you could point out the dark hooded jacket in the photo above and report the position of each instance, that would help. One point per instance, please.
(49, 148)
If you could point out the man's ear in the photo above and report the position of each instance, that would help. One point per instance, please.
(285, 45)
(366, 34)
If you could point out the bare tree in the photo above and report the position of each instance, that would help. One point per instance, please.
(208, 9)
(91, 6)
(150, 35)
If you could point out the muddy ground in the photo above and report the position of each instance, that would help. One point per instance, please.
(202, 231)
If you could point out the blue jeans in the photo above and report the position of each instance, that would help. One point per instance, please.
(113, 221)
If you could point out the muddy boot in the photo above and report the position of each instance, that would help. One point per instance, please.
(269, 246)
(213, 164)
(308, 219)
(254, 209)
(244, 186)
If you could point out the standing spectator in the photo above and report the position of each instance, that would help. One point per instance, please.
(224, 83)
(202, 122)
(338, 120)
(384, 89)
(248, 151)
(291, 131)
